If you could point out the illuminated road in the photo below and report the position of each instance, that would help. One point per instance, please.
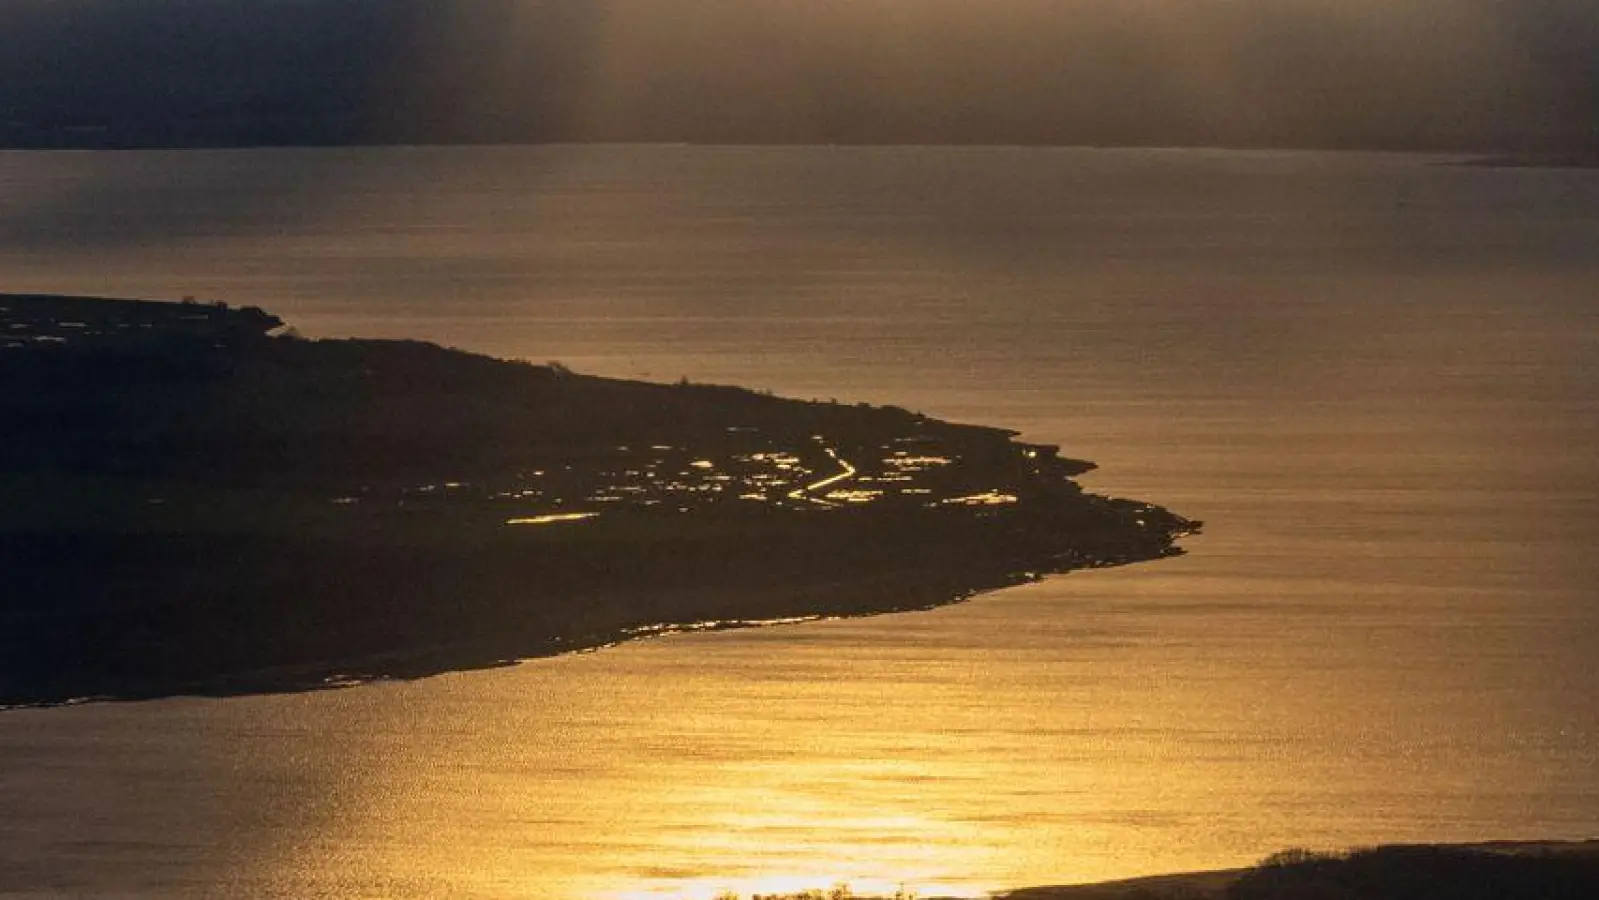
(809, 491)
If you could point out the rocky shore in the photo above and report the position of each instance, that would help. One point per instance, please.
(194, 500)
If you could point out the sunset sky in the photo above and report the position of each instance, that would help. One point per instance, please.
(1396, 74)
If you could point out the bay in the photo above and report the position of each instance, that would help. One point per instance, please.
(1371, 376)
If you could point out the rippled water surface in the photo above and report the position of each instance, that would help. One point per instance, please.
(1374, 378)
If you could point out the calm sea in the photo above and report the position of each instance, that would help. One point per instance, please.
(1376, 379)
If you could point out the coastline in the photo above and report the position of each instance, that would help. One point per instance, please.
(198, 502)
(1534, 161)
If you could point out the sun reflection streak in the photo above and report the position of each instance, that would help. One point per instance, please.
(789, 885)
(779, 828)
(784, 885)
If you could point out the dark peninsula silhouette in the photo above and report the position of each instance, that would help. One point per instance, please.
(193, 501)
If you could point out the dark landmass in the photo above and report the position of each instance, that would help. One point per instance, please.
(1491, 871)
(1578, 160)
(194, 501)
(1442, 76)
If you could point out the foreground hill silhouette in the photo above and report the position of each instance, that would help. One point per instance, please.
(192, 501)
(1491, 871)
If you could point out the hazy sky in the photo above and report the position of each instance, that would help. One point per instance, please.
(1425, 74)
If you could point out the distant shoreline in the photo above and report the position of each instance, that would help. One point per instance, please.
(1535, 161)
(1466, 156)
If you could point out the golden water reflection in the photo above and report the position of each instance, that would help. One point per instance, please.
(1101, 725)
(1372, 377)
